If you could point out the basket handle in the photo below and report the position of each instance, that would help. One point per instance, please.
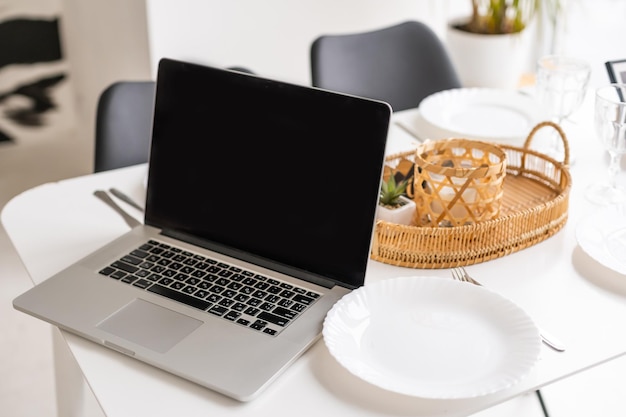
(560, 132)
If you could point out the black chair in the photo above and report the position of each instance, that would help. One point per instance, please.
(400, 64)
(124, 124)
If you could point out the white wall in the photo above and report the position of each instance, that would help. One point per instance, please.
(595, 30)
(103, 41)
(273, 37)
(109, 40)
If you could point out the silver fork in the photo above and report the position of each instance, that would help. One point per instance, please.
(460, 274)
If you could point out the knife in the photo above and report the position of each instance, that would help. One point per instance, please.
(130, 220)
(117, 193)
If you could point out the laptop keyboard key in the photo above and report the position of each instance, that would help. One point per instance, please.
(189, 289)
(180, 297)
(274, 289)
(254, 302)
(124, 267)
(177, 285)
(251, 311)
(129, 279)
(198, 273)
(218, 310)
(243, 322)
(258, 325)
(142, 283)
(239, 306)
(266, 306)
(118, 274)
(222, 282)
(139, 253)
(287, 294)
(107, 270)
(142, 273)
(203, 285)
(131, 260)
(298, 307)
(303, 299)
(232, 315)
(288, 314)
(214, 298)
(237, 277)
(273, 318)
(166, 281)
(272, 299)
(285, 302)
(226, 302)
(201, 294)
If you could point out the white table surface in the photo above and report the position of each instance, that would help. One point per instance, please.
(567, 293)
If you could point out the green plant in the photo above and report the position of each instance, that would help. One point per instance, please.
(390, 192)
(507, 16)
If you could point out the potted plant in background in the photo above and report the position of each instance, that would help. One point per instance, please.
(394, 205)
(495, 45)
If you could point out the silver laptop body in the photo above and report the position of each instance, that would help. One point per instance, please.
(274, 183)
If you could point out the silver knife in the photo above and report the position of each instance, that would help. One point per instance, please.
(130, 220)
(117, 193)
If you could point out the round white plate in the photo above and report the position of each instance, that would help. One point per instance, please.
(432, 337)
(602, 236)
(482, 113)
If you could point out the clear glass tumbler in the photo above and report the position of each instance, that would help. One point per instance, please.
(561, 85)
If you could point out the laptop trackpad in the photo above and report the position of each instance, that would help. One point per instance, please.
(150, 325)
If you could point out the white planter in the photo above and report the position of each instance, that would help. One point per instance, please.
(491, 61)
(400, 215)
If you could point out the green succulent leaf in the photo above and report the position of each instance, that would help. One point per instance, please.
(390, 191)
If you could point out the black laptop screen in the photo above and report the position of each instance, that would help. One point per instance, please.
(284, 173)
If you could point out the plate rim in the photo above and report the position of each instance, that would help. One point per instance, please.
(534, 347)
(531, 109)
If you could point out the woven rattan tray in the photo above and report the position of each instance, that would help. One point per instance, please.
(534, 207)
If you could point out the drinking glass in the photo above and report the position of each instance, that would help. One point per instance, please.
(561, 85)
(610, 126)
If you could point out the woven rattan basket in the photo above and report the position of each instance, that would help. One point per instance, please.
(461, 182)
(534, 207)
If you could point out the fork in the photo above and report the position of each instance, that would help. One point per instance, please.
(460, 274)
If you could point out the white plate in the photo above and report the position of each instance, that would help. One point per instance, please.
(482, 114)
(432, 337)
(602, 236)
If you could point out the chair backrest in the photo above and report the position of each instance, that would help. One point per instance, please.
(124, 124)
(400, 64)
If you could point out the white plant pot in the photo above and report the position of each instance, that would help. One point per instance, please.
(490, 61)
(401, 215)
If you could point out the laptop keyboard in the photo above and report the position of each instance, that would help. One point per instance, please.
(230, 292)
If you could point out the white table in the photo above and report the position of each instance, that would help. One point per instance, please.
(564, 290)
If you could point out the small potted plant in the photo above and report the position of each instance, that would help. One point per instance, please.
(492, 47)
(499, 16)
(394, 205)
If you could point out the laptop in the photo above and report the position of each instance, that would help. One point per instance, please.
(260, 207)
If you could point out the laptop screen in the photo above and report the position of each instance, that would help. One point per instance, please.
(283, 175)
